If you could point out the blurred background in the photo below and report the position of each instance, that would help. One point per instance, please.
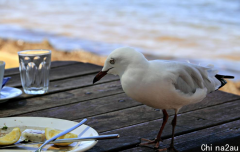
(198, 31)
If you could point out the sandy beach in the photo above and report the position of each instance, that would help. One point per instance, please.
(9, 49)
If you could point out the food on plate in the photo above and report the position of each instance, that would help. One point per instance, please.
(4, 127)
(33, 135)
(11, 137)
(49, 133)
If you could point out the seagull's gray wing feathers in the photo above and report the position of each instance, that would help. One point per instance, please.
(188, 77)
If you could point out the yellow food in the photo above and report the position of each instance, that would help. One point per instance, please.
(49, 133)
(11, 137)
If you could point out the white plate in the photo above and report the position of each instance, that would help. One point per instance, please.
(40, 123)
(9, 93)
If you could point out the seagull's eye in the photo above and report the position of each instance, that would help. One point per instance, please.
(112, 61)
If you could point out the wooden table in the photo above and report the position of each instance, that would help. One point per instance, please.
(216, 120)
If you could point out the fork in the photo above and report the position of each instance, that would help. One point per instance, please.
(60, 134)
(90, 138)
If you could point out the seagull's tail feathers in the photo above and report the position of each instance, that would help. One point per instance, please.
(222, 80)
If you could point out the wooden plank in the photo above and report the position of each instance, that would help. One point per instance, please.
(219, 135)
(72, 83)
(104, 106)
(226, 111)
(62, 72)
(87, 109)
(54, 64)
(217, 97)
(14, 107)
(186, 124)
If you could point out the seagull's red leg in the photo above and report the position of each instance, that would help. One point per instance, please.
(158, 139)
(165, 119)
(174, 122)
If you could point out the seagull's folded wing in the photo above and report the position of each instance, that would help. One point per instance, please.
(187, 77)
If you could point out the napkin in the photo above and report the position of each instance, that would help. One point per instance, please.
(5, 80)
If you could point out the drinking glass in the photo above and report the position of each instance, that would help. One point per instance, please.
(34, 67)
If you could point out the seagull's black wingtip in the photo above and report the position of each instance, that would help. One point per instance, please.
(221, 79)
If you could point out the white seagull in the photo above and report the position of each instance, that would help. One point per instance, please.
(161, 84)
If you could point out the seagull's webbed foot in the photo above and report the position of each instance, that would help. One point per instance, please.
(162, 150)
(157, 140)
(172, 149)
(148, 142)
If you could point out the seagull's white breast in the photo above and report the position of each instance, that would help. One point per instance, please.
(147, 87)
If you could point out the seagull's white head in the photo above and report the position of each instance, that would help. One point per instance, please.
(119, 61)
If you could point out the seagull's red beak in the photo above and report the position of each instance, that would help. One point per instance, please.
(99, 76)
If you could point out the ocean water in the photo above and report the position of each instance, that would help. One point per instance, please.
(202, 31)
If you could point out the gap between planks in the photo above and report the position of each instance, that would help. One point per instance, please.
(66, 104)
(63, 90)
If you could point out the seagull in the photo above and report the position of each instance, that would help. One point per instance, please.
(161, 84)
